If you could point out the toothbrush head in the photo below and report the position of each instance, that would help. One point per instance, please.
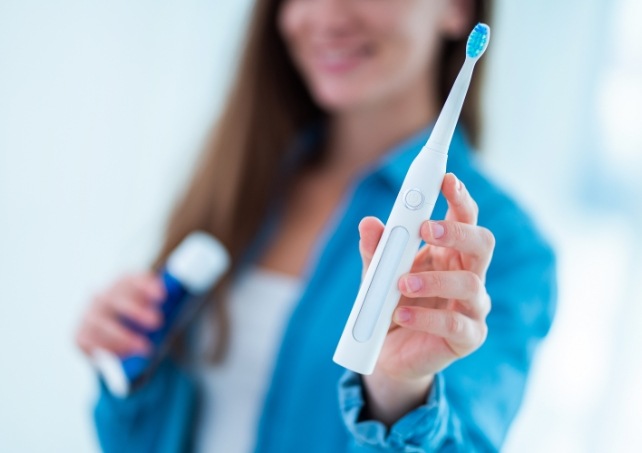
(478, 41)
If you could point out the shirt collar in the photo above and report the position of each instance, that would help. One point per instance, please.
(393, 165)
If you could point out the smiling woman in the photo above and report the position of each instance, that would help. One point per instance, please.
(381, 49)
(332, 101)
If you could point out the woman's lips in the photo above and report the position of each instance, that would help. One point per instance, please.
(339, 61)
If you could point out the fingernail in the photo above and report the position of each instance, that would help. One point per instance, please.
(458, 184)
(436, 229)
(402, 315)
(413, 283)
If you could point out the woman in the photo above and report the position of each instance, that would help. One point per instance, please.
(333, 100)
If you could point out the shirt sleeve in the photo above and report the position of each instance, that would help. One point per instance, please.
(430, 427)
(157, 417)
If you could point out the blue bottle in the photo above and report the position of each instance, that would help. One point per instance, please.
(192, 269)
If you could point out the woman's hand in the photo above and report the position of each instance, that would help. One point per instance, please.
(441, 315)
(135, 298)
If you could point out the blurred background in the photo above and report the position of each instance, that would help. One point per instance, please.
(104, 106)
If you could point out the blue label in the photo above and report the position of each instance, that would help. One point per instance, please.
(135, 365)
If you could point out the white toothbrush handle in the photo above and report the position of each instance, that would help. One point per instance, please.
(369, 320)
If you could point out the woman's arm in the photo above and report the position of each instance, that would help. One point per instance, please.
(467, 402)
(441, 315)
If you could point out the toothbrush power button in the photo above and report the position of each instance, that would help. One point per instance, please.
(413, 199)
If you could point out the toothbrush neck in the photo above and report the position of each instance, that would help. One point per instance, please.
(447, 121)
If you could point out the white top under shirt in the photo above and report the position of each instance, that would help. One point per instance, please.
(259, 305)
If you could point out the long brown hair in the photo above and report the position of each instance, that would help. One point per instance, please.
(269, 103)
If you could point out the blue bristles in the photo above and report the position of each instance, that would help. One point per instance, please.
(478, 40)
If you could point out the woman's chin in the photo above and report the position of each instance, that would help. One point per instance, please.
(340, 100)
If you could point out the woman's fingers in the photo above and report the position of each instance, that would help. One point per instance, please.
(462, 333)
(132, 298)
(135, 299)
(370, 231)
(464, 286)
(102, 331)
(472, 240)
(461, 206)
(147, 286)
(137, 310)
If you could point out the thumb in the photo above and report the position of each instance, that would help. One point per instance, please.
(370, 231)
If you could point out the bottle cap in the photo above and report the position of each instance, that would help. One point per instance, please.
(198, 262)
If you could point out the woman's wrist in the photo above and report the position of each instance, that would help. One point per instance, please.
(388, 399)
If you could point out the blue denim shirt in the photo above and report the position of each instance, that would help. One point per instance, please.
(314, 405)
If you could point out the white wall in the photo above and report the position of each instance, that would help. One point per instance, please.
(564, 107)
(103, 106)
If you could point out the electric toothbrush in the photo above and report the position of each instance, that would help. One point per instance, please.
(378, 296)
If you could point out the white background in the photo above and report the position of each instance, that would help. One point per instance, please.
(104, 105)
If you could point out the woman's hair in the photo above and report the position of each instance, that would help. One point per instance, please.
(269, 103)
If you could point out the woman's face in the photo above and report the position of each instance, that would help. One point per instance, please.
(356, 53)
